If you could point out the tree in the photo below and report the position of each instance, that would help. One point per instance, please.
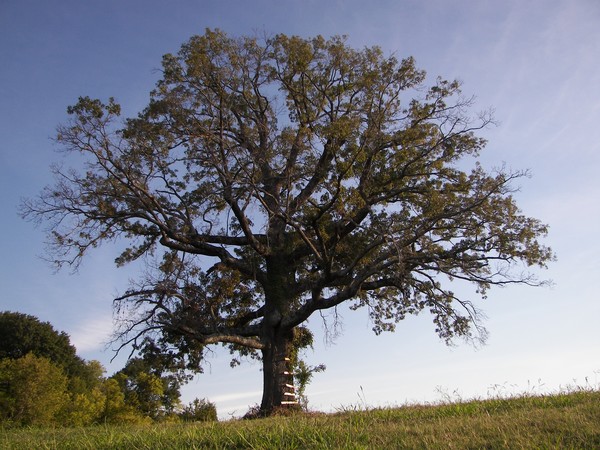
(21, 334)
(269, 179)
(199, 410)
(86, 396)
(146, 387)
(115, 410)
(303, 374)
(34, 382)
(34, 390)
(84, 407)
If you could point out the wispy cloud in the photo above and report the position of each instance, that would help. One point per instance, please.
(236, 396)
(92, 334)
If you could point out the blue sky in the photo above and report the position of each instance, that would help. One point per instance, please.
(537, 63)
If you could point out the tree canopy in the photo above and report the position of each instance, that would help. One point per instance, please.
(271, 178)
(148, 388)
(21, 334)
(43, 381)
(32, 390)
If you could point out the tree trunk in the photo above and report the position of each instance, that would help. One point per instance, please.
(278, 380)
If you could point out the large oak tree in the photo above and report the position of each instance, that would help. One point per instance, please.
(273, 178)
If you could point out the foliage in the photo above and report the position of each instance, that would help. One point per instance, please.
(270, 179)
(83, 408)
(21, 334)
(63, 389)
(86, 397)
(199, 410)
(303, 374)
(143, 391)
(33, 390)
(115, 410)
(149, 386)
(38, 361)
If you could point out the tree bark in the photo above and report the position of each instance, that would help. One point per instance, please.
(277, 339)
(278, 380)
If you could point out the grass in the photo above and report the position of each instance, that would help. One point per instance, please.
(565, 420)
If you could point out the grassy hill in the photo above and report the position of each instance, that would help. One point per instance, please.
(569, 420)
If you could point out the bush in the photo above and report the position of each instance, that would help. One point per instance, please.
(85, 408)
(34, 390)
(200, 410)
(116, 410)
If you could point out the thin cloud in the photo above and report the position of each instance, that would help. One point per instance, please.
(236, 396)
(92, 334)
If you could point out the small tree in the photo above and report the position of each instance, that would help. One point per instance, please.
(274, 179)
(86, 397)
(199, 410)
(33, 390)
(143, 392)
(115, 410)
(84, 408)
(303, 374)
(152, 381)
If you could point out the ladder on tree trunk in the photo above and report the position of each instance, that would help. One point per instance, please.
(293, 400)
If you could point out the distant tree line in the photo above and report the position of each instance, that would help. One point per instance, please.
(44, 382)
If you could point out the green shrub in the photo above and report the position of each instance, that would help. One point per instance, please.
(200, 410)
(34, 390)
